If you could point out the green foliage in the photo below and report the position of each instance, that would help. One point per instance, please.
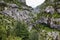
(6, 25)
(21, 31)
(11, 29)
(56, 15)
(13, 38)
(9, 25)
(33, 35)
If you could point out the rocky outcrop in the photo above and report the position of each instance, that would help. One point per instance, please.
(20, 14)
(22, 1)
(16, 13)
(51, 35)
(58, 10)
(49, 9)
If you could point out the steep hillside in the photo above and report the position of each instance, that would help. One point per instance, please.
(21, 22)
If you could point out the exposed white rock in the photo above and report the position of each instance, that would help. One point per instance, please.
(17, 14)
(7, 12)
(5, 8)
(43, 30)
(49, 9)
(56, 19)
(55, 34)
(36, 10)
(12, 5)
(58, 10)
(23, 1)
(49, 34)
(29, 28)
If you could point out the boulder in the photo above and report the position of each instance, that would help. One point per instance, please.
(58, 10)
(49, 9)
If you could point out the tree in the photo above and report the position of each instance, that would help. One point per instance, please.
(21, 31)
(34, 35)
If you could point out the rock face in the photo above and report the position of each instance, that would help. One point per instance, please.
(12, 5)
(22, 14)
(49, 35)
(23, 1)
(49, 9)
(53, 35)
(27, 15)
(14, 12)
(58, 10)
